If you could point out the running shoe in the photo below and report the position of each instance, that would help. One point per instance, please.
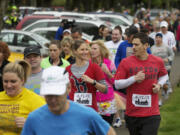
(117, 123)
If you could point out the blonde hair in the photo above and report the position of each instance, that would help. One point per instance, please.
(67, 40)
(21, 68)
(103, 50)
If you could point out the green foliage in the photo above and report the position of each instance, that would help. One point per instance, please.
(170, 113)
(58, 2)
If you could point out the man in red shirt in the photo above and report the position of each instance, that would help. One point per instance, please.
(143, 75)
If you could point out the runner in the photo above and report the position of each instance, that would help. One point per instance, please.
(54, 56)
(143, 75)
(60, 116)
(85, 77)
(4, 55)
(106, 102)
(32, 55)
(16, 102)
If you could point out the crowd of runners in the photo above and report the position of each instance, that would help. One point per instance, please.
(81, 87)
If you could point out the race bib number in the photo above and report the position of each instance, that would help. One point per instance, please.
(141, 100)
(83, 98)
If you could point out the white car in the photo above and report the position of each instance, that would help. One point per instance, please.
(50, 32)
(76, 15)
(18, 40)
(115, 19)
(87, 26)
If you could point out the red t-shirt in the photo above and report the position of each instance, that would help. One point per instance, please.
(78, 87)
(141, 101)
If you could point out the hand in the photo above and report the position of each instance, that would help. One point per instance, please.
(20, 122)
(156, 88)
(165, 60)
(87, 79)
(140, 76)
(106, 70)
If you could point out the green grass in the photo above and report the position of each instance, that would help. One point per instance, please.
(170, 115)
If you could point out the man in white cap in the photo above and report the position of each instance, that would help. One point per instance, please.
(61, 116)
(168, 37)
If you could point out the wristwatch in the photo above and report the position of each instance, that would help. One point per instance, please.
(94, 83)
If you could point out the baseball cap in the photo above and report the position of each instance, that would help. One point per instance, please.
(164, 24)
(32, 50)
(159, 34)
(67, 30)
(54, 81)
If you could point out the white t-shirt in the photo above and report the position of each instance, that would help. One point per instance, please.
(112, 48)
(169, 39)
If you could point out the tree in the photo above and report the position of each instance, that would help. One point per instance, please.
(3, 5)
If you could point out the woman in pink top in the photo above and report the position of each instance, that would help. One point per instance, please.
(106, 102)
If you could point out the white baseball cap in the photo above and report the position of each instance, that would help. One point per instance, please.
(164, 24)
(54, 81)
(67, 30)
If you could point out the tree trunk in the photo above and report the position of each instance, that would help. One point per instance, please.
(34, 3)
(149, 4)
(68, 5)
(3, 7)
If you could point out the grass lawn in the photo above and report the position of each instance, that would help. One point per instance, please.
(170, 115)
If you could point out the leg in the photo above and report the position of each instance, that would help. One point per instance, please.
(150, 125)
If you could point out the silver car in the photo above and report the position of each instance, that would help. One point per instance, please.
(18, 40)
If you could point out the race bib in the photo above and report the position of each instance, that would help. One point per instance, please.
(83, 98)
(141, 100)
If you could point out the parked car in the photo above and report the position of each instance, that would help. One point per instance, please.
(18, 40)
(76, 15)
(115, 19)
(50, 32)
(31, 19)
(87, 26)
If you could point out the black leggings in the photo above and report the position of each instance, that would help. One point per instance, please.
(143, 125)
(108, 119)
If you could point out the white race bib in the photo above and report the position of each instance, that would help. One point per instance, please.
(83, 98)
(141, 100)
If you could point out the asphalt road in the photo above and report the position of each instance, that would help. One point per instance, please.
(174, 78)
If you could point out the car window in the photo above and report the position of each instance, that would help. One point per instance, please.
(88, 28)
(47, 34)
(24, 40)
(54, 24)
(118, 21)
(105, 18)
(37, 25)
(7, 37)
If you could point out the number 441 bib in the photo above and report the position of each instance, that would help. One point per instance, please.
(139, 100)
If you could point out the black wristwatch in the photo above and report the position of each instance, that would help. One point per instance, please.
(94, 83)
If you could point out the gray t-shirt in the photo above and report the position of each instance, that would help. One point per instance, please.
(33, 82)
(163, 51)
(79, 71)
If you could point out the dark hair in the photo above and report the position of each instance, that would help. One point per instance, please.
(142, 37)
(144, 30)
(76, 29)
(118, 28)
(101, 26)
(4, 49)
(55, 42)
(77, 44)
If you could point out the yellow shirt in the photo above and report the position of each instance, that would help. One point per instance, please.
(18, 106)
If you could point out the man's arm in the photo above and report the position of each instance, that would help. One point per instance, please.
(111, 131)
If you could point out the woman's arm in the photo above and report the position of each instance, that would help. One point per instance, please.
(100, 86)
